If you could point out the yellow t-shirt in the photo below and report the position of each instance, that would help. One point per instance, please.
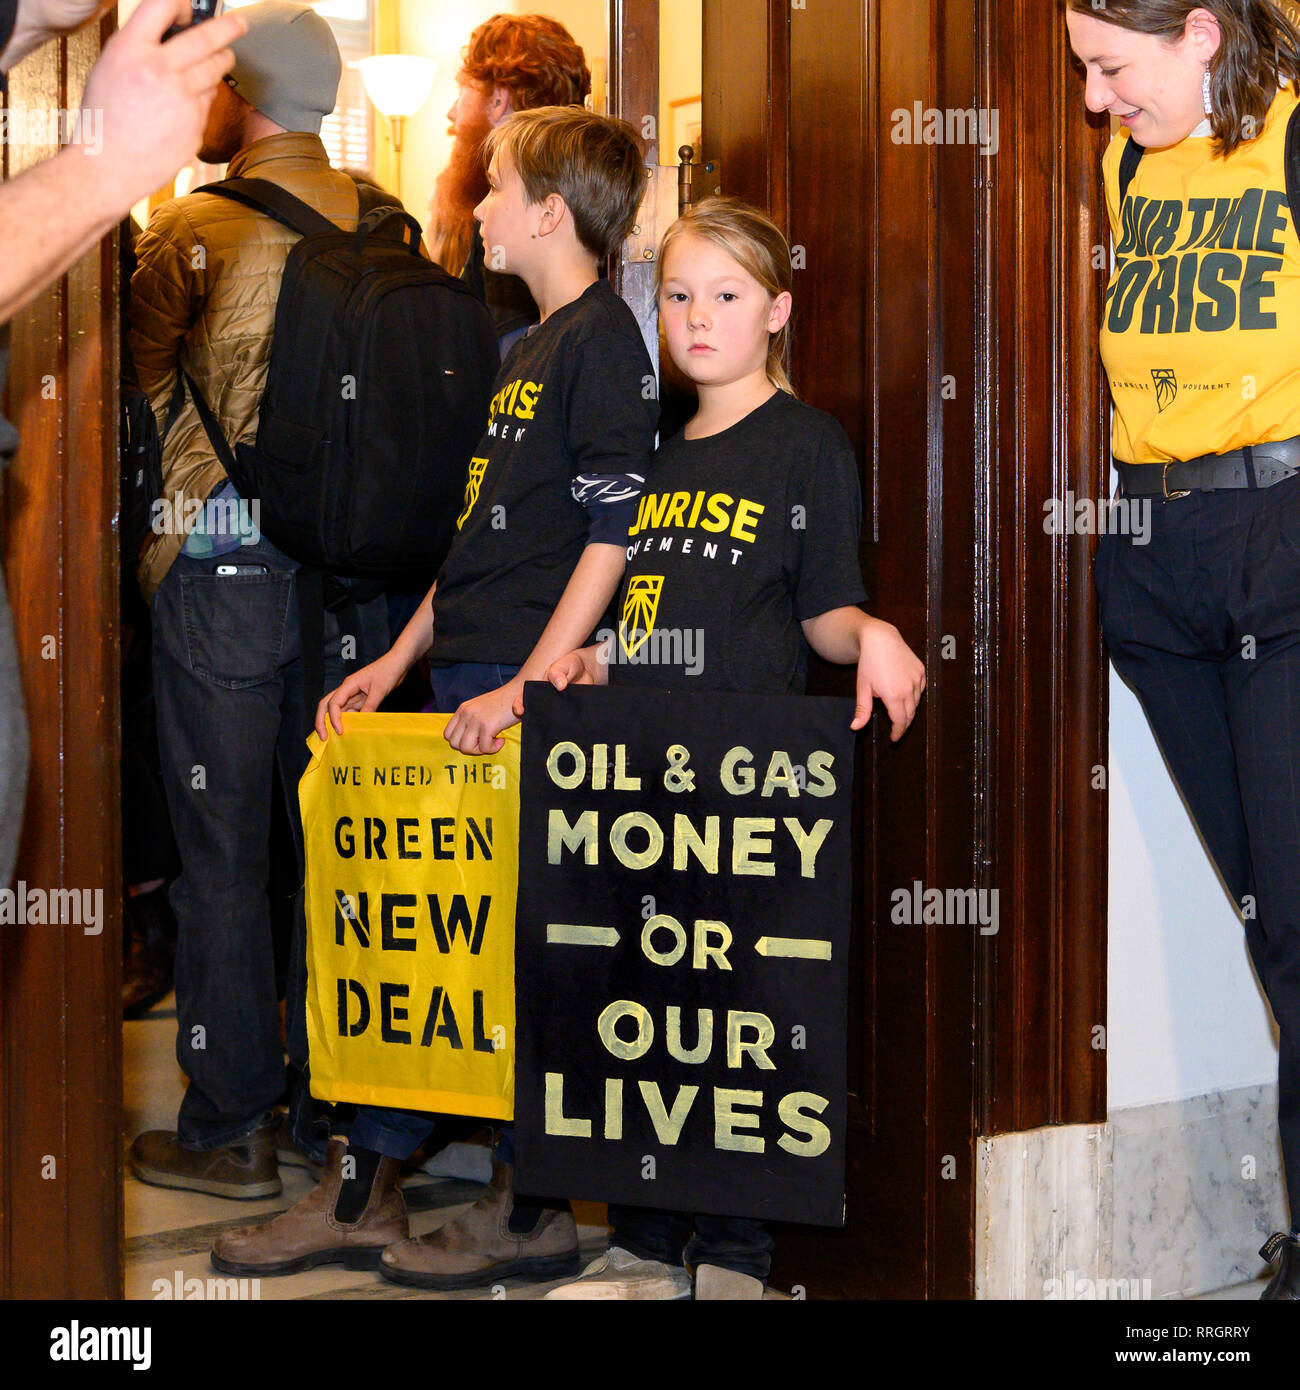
(1201, 332)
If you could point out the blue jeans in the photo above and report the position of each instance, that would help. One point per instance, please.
(1204, 624)
(228, 687)
(398, 1133)
(737, 1243)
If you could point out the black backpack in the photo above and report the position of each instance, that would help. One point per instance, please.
(141, 460)
(1133, 153)
(378, 388)
(140, 444)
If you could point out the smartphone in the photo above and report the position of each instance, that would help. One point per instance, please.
(225, 569)
(199, 11)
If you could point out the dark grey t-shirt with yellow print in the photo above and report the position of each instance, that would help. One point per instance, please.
(739, 538)
(562, 464)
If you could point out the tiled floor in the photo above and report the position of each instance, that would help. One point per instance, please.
(1240, 1294)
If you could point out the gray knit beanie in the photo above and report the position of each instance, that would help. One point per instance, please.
(288, 64)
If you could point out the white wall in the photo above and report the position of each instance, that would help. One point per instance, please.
(1186, 1015)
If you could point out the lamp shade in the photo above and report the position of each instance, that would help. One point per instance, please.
(397, 83)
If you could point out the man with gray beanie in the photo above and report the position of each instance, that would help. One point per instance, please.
(227, 650)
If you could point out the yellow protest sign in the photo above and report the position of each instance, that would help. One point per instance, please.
(412, 868)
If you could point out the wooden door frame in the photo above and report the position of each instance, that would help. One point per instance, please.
(1043, 987)
(1024, 705)
(61, 1218)
(997, 787)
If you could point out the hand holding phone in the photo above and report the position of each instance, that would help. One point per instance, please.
(155, 98)
(199, 11)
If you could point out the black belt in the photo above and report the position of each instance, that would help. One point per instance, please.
(1254, 466)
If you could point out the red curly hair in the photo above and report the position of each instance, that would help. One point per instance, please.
(535, 58)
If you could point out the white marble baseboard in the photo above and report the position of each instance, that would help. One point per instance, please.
(1164, 1201)
(1197, 1189)
(1042, 1214)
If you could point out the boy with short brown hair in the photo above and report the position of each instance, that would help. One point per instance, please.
(539, 554)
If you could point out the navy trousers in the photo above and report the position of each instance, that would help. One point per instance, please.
(729, 1242)
(1204, 624)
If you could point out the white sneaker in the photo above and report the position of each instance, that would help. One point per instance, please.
(620, 1274)
(714, 1284)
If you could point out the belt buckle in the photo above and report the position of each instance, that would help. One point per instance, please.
(1164, 483)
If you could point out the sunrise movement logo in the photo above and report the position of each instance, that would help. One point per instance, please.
(639, 609)
(472, 485)
(1166, 386)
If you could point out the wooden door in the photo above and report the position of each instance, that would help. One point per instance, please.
(944, 306)
(945, 314)
(60, 987)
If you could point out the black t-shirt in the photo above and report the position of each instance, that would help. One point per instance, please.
(739, 538)
(562, 464)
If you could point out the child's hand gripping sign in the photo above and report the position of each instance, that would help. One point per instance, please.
(412, 868)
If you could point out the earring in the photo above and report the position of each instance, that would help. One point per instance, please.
(1205, 93)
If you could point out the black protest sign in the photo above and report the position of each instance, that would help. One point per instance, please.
(682, 937)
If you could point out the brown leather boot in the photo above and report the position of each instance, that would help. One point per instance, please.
(245, 1170)
(479, 1247)
(309, 1234)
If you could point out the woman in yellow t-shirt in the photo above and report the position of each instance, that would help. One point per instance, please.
(1200, 338)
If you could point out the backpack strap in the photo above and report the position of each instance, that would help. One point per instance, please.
(1293, 167)
(174, 408)
(374, 208)
(269, 198)
(216, 435)
(372, 222)
(310, 587)
(264, 196)
(370, 199)
(1133, 153)
(1128, 166)
(318, 594)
